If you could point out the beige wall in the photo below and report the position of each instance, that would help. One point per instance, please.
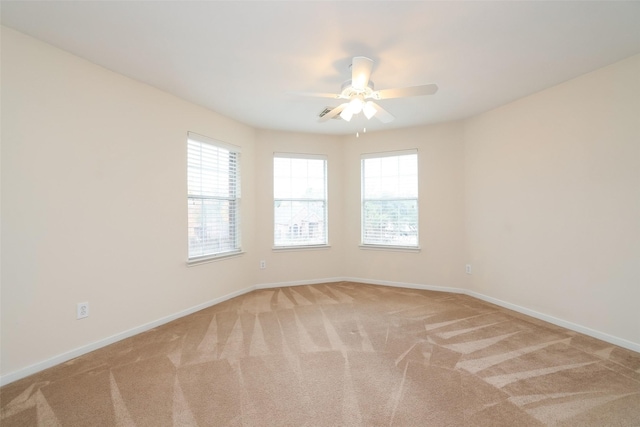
(541, 196)
(298, 265)
(440, 262)
(553, 201)
(94, 203)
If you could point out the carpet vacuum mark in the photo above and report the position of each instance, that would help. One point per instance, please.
(339, 354)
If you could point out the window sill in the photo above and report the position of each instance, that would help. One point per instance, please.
(214, 258)
(300, 248)
(415, 249)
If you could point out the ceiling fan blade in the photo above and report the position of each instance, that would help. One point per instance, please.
(406, 91)
(317, 94)
(360, 72)
(381, 114)
(331, 114)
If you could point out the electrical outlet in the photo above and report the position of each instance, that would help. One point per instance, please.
(82, 310)
(467, 268)
(263, 264)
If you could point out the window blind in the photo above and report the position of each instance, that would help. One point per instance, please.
(213, 178)
(300, 199)
(390, 199)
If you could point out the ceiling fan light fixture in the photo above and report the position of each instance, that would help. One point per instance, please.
(369, 110)
(347, 113)
(356, 104)
(358, 92)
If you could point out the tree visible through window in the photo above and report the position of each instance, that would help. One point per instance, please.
(390, 199)
(300, 200)
(213, 178)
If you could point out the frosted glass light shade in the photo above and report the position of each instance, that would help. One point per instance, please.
(356, 105)
(369, 110)
(347, 113)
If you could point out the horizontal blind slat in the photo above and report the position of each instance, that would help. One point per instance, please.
(300, 194)
(390, 199)
(213, 198)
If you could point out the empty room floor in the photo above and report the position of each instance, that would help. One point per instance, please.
(340, 354)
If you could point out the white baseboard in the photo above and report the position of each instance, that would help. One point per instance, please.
(621, 342)
(64, 357)
(299, 283)
(630, 345)
(405, 285)
(61, 358)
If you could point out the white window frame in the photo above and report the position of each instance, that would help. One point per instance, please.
(300, 243)
(223, 159)
(395, 242)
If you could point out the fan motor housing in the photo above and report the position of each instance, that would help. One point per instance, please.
(347, 90)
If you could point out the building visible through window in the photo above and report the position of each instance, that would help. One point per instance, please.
(300, 200)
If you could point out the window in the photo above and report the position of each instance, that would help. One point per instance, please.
(390, 199)
(299, 200)
(213, 198)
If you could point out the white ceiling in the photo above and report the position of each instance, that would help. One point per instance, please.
(243, 59)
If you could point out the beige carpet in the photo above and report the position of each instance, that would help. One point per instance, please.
(341, 354)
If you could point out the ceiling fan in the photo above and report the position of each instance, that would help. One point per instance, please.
(359, 93)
